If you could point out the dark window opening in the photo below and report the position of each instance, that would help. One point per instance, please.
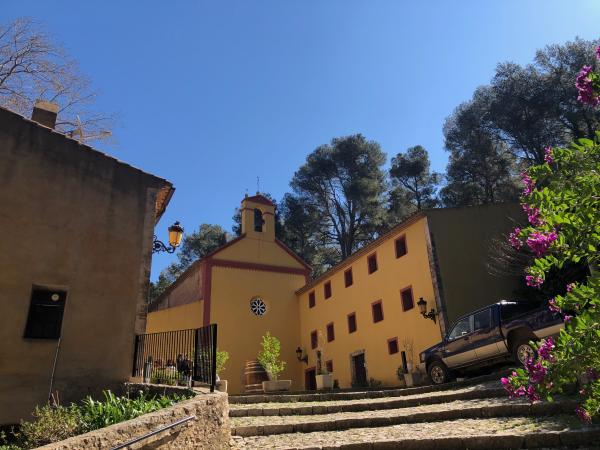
(258, 220)
(314, 340)
(404, 363)
(401, 246)
(351, 323)
(329, 366)
(311, 299)
(330, 332)
(327, 289)
(393, 346)
(377, 308)
(348, 281)
(45, 316)
(407, 299)
(372, 262)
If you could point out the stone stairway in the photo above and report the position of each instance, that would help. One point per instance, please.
(475, 414)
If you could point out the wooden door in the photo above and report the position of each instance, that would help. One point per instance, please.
(310, 381)
(360, 371)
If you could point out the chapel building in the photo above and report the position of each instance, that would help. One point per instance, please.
(361, 314)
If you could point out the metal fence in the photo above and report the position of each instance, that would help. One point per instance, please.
(177, 357)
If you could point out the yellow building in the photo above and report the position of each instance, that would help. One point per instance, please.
(362, 314)
(246, 287)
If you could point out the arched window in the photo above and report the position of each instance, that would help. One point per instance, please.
(258, 220)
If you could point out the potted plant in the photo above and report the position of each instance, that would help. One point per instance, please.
(412, 376)
(222, 357)
(269, 359)
(400, 373)
(324, 379)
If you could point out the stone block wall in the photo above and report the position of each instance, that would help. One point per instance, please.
(209, 430)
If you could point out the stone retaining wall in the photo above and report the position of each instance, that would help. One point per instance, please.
(209, 430)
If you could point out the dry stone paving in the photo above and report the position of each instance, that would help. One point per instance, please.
(513, 432)
(481, 390)
(461, 416)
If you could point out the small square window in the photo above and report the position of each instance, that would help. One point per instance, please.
(329, 366)
(311, 299)
(327, 289)
(377, 309)
(314, 340)
(46, 309)
(393, 346)
(407, 299)
(348, 280)
(372, 263)
(330, 332)
(351, 323)
(401, 246)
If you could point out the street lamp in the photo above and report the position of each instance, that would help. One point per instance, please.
(304, 358)
(422, 304)
(175, 236)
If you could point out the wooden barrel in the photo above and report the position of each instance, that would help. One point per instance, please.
(255, 374)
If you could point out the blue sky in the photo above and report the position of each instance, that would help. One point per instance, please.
(213, 94)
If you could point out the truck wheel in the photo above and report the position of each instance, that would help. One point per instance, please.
(522, 351)
(438, 372)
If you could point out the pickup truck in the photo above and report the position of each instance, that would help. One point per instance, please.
(501, 331)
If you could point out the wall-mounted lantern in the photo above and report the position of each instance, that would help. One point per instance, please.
(175, 236)
(300, 356)
(422, 304)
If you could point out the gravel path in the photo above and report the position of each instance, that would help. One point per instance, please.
(422, 431)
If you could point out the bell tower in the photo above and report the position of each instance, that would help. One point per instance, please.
(258, 217)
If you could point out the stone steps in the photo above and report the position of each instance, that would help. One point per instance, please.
(312, 396)
(561, 431)
(481, 391)
(461, 415)
(472, 409)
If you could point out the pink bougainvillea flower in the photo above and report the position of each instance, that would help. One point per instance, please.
(532, 394)
(533, 215)
(552, 306)
(533, 281)
(537, 372)
(567, 318)
(583, 415)
(513, 239)
(598, 52)
(539, 242)
(585, 87)
(548, 155)
(545, 349)
(529, 184)
(570, 287)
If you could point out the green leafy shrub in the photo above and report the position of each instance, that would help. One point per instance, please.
(269, 356)
(222, 358)
(562, 202)
(50, 424)
(164, 376)
(55, 423)
(98, 414)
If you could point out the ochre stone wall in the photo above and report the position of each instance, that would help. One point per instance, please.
(209, 430)
(73, 219)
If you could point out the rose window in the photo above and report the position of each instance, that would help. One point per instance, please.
(258, 306)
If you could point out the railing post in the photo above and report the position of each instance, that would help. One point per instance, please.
(196, 370)
(213, 374)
